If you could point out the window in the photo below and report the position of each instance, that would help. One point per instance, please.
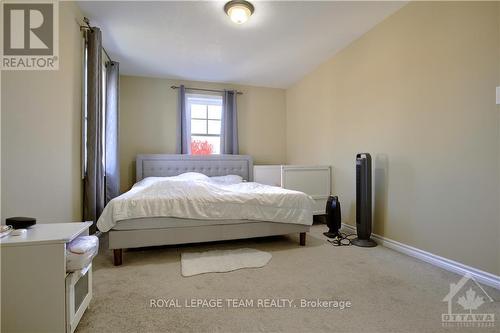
(206, 120)
(103, 91)
(84, 109)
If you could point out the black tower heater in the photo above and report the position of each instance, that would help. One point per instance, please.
(364, 201)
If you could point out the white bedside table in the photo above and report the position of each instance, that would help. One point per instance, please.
(37, 293)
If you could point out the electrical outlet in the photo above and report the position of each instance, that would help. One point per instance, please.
(498, 95)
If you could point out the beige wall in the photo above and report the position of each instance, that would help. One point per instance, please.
(498, 117)
(148, 113)
(41, 120)
(417, 92)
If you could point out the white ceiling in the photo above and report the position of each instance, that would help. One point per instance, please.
(189, 40)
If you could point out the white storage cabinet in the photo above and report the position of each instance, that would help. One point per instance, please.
(38, 295)
(314, 180)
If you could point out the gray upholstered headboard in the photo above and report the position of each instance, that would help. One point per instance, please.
(159, 165)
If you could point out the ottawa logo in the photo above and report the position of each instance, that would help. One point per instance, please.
(464, 300)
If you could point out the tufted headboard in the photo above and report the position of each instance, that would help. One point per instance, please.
(159, 165)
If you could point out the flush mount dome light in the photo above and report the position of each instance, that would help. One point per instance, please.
(239, 10)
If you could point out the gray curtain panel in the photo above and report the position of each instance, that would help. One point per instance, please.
(93, 197)
(183, 124)
(112, 167)
(229, 130)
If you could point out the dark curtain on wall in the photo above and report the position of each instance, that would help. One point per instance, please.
(93, 184)
(183, 124)
(112, 168)
(229, 130)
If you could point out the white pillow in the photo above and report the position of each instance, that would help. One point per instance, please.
(192, 176)
(227, 180)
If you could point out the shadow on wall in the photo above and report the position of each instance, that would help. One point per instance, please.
(381, 173)
(403, 201)
(351, 217)
(130, 179)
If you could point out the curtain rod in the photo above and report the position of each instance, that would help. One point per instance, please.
(200, 89)
(87, 26)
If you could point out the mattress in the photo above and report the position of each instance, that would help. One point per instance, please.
(170, 222)
(196, 196)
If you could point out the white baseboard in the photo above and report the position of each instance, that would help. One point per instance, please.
(483, 277)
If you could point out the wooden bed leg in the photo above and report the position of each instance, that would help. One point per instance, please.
(302, 239)
(117, 257)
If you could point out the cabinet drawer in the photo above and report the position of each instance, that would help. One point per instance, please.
(78, 296)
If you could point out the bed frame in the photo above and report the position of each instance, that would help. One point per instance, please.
(213, 165)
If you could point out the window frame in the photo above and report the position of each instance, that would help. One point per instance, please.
(205, 100)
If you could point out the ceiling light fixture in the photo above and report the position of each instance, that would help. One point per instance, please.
(239, 10)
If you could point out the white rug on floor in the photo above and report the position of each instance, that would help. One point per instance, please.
(218, 261)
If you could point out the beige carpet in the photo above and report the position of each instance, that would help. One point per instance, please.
(389, 292)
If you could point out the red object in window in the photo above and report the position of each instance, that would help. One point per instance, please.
(199, 147)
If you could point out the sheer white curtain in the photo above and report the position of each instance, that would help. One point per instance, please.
(112, 164)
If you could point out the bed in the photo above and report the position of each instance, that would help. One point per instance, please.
(143, 230)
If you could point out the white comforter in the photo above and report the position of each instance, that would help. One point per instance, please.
(196, 196)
